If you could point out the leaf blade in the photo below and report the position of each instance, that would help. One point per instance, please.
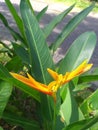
(49, 28)
(5, 92)
(41, 13)
(16, 17)
(84, 51)
(37, 44)
(21, 121)
(73, 23)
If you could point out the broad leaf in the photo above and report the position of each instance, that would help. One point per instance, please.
(90, 105)
(4, 75)
(41, 13)
(40, 56)
(81, 49)
(15, 64)
(83, 124)
(21, 121)
(73, 23)
(88, 78)
(5, 92)
(22, 53)
(69, 109)
(49, 28)
(59, 124)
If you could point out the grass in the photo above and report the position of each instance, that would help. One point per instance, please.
(79, 3)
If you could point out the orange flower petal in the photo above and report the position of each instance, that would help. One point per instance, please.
(79, 70)
(53, 74)
(32, 83)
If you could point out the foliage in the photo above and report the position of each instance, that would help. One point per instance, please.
(80, 4)
(29, 52)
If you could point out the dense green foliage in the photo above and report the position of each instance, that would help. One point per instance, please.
(25, 107)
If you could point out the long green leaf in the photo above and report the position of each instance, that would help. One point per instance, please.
(16, 17)
(82, 48)
(40, 57)
(73, 23)
(22, 53)
(21, 121)
(5, 92)
(15, 35)
(41, 13)
(90, 104)
(88, 78)
(49, 28)
(81, 125)
(15, 64)
(4, 75)
(69, 109)
(90, 123)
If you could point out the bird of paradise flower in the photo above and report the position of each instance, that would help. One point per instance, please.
(59, 79)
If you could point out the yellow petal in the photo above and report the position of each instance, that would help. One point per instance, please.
(79, 70)
(53, 74)
(32, 83)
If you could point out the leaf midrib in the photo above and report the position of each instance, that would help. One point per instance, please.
(35, 48)
(81, 51)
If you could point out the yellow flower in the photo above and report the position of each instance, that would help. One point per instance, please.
(58, 81)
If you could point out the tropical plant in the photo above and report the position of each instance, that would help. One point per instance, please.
(58, 103)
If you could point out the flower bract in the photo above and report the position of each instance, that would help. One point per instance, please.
(59, 79)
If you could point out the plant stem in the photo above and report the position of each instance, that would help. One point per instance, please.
(54, 117)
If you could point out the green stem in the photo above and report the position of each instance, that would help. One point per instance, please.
(54, 117)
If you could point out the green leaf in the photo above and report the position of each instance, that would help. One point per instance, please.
(80, 50)
(40, 57)
(5, 92)
(90, 105)
(27, 124)
(59, 123)
(90, 123)
(22, 53)
(81, 87)
(80, 125)
(15, 64)
(95, 126)
(69, 109)
(4, 75)
(1, 128)
(16, 17)
(15, 35)
(41, 13)
(49, 28)
(72, 24)
(88, 78)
